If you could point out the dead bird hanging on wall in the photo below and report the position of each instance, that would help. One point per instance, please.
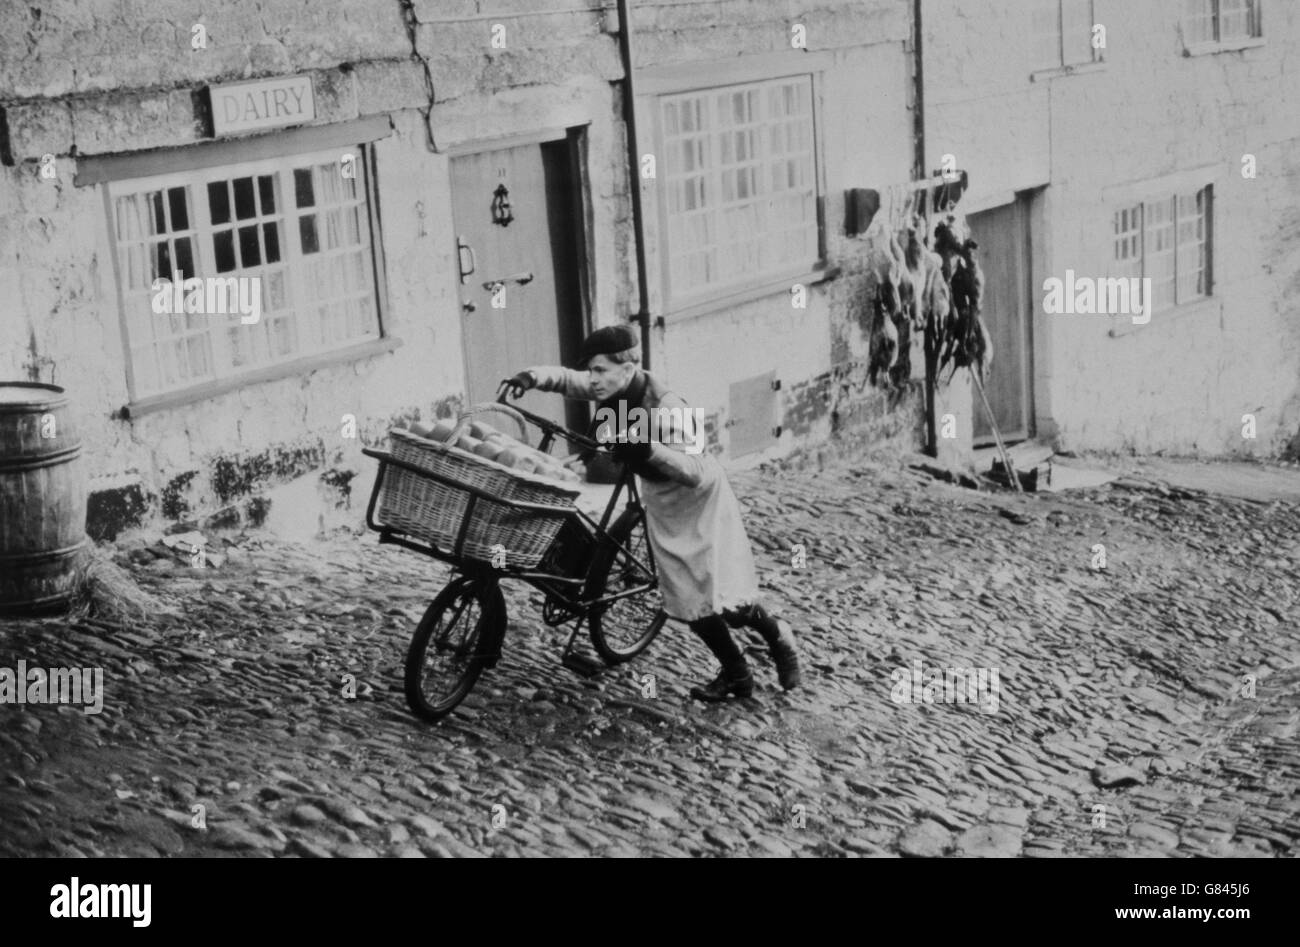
(967, 342)
(936, 291)
(926, 291)
(887, 313)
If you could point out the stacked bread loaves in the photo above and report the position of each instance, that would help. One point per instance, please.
(487, 442)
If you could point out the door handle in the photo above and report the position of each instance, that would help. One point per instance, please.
(461, 248)
(521, 278)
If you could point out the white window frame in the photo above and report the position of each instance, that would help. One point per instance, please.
(1218, 43)
(1130, 230)
(1059, 64)
(292, 262)
(355, 136)
(656, 85)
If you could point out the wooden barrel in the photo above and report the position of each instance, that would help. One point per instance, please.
(42, 499)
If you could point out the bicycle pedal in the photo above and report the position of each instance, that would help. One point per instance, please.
(581, 664)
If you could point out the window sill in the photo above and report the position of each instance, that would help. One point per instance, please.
(750, 293)
(222, 386)
(1175, 314)
(1042, 75)
(1227, 46)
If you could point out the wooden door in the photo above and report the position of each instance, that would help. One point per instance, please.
(1002, 235)
(519, 286)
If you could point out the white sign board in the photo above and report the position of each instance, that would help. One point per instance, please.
(263, 103)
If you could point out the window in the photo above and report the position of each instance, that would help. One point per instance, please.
(1215, 22)
(1168, 241)
(740, 185)
(1063, 33)
(298, 224)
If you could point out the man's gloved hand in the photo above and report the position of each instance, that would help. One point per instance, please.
(631, 452)
(518, 385)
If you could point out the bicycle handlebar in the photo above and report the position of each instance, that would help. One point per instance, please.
(546, 424)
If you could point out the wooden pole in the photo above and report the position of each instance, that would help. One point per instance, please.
(997, 435)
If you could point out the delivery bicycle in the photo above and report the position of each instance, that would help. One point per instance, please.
(491, 523)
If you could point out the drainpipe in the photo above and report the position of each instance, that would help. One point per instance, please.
(918, 96)
(919, 173)
(634, 178)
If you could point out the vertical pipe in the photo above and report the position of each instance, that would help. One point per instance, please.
(918, 81)
(919, 173)
(634, 177)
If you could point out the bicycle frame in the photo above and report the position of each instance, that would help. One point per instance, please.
(543, 581)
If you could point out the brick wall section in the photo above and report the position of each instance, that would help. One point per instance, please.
(857, 410)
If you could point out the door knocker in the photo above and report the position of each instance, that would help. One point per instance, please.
(501, 213)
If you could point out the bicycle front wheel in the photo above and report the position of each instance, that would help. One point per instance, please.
(459, 634)
(623, 628)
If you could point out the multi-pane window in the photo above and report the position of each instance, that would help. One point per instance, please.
(295, 230)
(1128, 242)
(1220, 21)
(1158, 251)
(1168, 241)
(1063, 31)
(1191, 213)
(740, 184)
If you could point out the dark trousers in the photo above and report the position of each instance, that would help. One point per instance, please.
(713, 631)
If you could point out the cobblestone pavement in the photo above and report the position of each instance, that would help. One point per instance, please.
(1124, 723)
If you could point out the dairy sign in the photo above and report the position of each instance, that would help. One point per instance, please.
(264, 103)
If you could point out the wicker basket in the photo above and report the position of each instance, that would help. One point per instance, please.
(433, 511)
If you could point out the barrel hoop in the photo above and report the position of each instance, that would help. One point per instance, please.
(35, 461)
(31, 558)
(32, 408)
(36, 605)
(54, 396)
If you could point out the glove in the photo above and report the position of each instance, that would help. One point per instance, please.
(632, 452)
(516, 386)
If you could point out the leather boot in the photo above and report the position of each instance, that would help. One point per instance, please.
(735, 677)
(779, 638)
(786, 658)
(716, 691)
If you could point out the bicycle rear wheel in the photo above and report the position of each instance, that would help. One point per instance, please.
(459, 635)
(625, 627)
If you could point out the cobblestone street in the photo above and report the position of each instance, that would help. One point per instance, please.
(1124, 723)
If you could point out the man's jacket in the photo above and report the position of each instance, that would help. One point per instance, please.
(673, 433)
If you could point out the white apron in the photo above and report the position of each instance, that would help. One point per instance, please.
(701, 550)
(693, 520)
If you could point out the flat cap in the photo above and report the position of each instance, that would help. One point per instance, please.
(607, 341)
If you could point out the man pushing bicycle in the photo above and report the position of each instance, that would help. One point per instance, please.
(693, 520)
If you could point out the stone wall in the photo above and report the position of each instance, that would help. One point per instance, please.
(86, 79)
(1146, 116)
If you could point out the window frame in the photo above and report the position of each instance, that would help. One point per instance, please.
(231, 156)
(657, 83)
(1059, 66)
(1172, 196)
(1218, 44)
